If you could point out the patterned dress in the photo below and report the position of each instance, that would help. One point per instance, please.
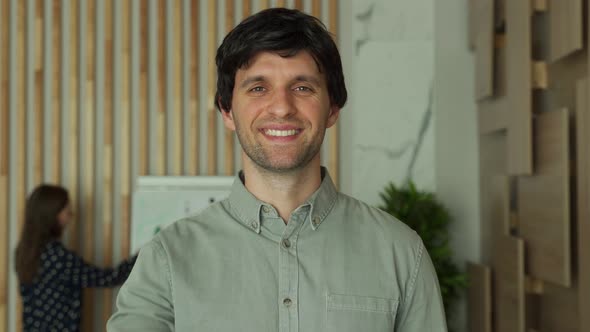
(52, 302)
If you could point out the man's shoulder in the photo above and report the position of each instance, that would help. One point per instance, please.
(376, 220)
(184, 230)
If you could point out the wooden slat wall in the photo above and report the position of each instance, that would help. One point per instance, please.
(95, 93)
(4, 139)
(538, 107)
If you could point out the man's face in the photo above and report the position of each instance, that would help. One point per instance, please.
(280, 111)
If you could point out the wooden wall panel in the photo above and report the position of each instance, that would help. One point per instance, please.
(229, 135)
(334, 132)
(101, 92)
(544, 201)
(484, 47)
(211, 84)
(107, 152)
(519, 87)
(480, 298)
(4, 143)
(509, 296)
(565, 28)
(583, 202)
(88, 158)
(195, 97)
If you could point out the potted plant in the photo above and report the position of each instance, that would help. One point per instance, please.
(430, 219)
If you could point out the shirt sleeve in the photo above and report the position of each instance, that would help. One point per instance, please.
(145, 302)
(422, 308)
(80, 273)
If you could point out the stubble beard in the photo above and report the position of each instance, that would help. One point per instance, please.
(263, 158)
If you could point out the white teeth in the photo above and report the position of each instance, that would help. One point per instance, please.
(273, 132)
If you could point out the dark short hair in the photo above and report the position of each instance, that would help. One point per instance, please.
(286, 32)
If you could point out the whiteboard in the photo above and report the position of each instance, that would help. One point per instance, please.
(158, 201)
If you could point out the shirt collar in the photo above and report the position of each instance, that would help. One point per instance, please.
(248, 208)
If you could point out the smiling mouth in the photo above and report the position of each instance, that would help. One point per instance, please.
(281, 133)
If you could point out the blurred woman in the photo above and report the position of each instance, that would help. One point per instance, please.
(52, 277)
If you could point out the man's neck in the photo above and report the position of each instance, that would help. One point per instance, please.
(284, 191)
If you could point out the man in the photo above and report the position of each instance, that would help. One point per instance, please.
(285, 251)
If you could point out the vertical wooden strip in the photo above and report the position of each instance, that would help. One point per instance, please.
(281, 3)
(246, 8)
(143, 110)
(480, 297)
(519, 87)
(30, 52)
(14, 302)
(211, 83)
(565, 28)
(229, 135)
(334, 161)
(64, 106)
(195, 96)
(161, 113)
(152, 87)
(484, 48)
(134, 62)
(39, 90)
(264, 4)
(20, 81)
(47, 118)
(72, 109)
(299, 4)
(186, 85)
(583, 206)
(169, 85)
(177, 129)
(316, 8)
(56, 98)
(107, 178)
(89, 159)
(124, 129)
(4, 197)
(143, 54)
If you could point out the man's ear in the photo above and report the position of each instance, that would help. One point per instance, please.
(228, 119)
(334, 112)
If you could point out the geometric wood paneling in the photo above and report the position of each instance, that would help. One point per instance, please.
(565, 28)
(480, 297)
(558, 309)
(583, 201)
(519, 86)
(543, 202)
(484, 47)
(492, 149)
(500, 205)
(508, 286)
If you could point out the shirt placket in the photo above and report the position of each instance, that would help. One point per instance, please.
(289, 275)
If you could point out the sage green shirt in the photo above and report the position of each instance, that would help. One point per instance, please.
(337, 265)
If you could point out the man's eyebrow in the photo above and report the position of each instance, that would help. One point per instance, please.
(307, 78)
(247, 81)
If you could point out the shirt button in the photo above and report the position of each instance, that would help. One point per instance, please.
(286, 243)
(316, 221)
(287, 302)
(254, 225)
(265, 209)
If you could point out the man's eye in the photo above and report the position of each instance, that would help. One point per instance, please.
(257, 89)
(303, 89)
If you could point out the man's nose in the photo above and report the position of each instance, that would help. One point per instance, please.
(282, 103)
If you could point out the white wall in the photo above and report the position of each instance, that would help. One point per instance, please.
(390, 113)
(456, 148)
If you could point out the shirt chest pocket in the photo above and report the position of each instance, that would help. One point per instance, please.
(348, 313)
